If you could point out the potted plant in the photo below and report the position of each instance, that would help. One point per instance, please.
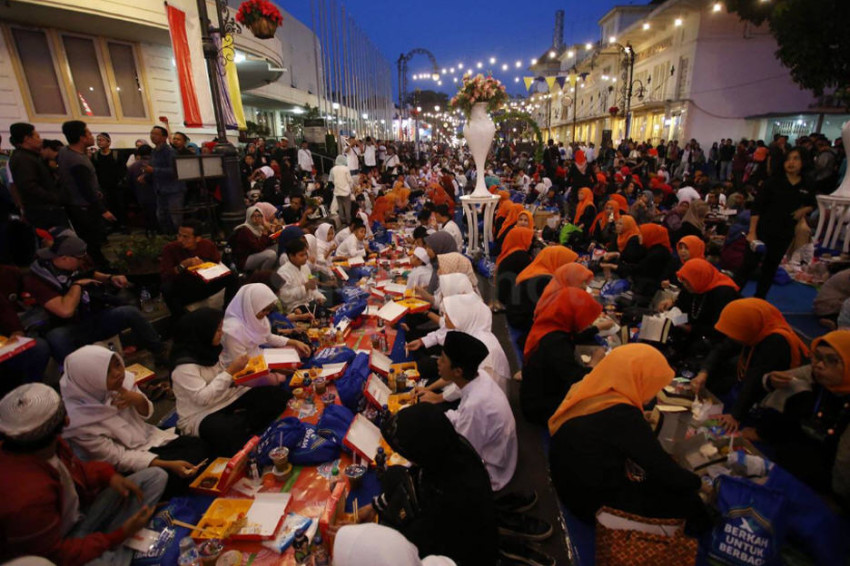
(476, 97)
(261, 16)
(138, 258)
(613, 111)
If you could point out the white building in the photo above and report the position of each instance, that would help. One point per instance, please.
(699, 72)
(119, 53)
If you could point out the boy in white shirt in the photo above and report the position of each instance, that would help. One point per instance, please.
(420, 275)
(300, 288)
(353, 246)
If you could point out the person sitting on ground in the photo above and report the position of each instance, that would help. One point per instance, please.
(107, 414)
(181, 287)
(831, 296)
(693, 222)
(209, 404)
(769, 344)
(420, 275)
(585, 210)
(296, 212)
(56, 506)
(604, 228)
(376, 545)
(630, 250)
(604, 452)
(247, 327)
(81, 311)
(443, 503)
(447, 224)
(529, 286)
(563, 320)
(299, 291)
(251, 243)
(484, 415)
(353, 246)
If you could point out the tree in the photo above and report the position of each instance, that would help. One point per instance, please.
(427, 100)
(812, 37)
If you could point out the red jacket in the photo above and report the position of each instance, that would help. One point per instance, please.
(31, 508)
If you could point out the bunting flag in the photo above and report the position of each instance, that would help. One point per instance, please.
(528, 81)
(183, 62)
(233, 82)
(561, 81)
(223, 91)
(551, 82)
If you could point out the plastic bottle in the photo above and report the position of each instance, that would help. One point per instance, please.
(188, 553)
(301, 546)
(145, 300)
(380, 462)
(334, 479)
(319, 552)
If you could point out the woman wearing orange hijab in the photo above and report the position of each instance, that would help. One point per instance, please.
(605, 453)
(630, 253)
(705, 293)
(531, 282)
(602, 230)
(808, 430)
(585, 209)
(690, 247)
(514, 257)
(769, 344)
(550, 367)
(383, 208)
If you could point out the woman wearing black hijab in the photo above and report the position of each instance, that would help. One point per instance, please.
(209, 404)
(443, 504)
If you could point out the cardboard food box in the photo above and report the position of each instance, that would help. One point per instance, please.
(415, 306)
(222, 473)
(392, 312)
(409, 370)
(141, 374)
(210, 271)
(380, 363)
(364, 438)
(282, 358)
(12, 347)
(334, 511)
(246, 519)
(255, 374)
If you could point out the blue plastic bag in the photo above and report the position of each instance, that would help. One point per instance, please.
(485, 267)
(334, 423)
(350, 310)
(166, 549)
(313, 448)
(350, 294)
(286, 432)
(753, 526)
(615, 288)
(332, 355)
(350, 386)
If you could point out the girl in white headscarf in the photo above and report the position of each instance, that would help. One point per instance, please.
(376, 545)
(325, 246)
(108, 413)
(252, 246)
(246, 326)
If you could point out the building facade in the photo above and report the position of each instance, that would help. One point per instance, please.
(693, 71)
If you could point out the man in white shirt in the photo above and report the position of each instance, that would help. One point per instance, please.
(369, 157)
(300, 288)
(352, 154)
(484, 415)
(441, 212)
(353, 246)
(392, 163)
(305, 160)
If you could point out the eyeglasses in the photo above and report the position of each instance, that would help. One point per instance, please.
(831, 360)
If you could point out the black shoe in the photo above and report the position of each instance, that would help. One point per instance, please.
(517, 502)
(524, 554)
(526, 527)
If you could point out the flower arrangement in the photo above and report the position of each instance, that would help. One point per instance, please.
(479, 89)
(614, 110)
(138, 254)
(261, 16)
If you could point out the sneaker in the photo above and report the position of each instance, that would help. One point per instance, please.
(521, 553)
(520, 526)
(517, 502)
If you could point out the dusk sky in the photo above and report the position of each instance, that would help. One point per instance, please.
(463, 31)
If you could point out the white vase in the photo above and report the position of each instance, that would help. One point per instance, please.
(843, 190)
(478, 132)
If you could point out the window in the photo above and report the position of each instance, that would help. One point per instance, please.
(86, 76)
(39, 72)
(83, 77)
(128, 84)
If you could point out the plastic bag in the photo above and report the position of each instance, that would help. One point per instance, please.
(351, 294)
(286, 432)
(334, 423)
(349, 387)
(351, 310)
(332, 355)
(166, 549)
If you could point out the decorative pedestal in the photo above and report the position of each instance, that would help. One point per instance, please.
(472, 205)
(837, 208)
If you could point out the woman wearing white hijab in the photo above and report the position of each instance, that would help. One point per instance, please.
(246, 326)
(469, 314)
(252, 246)
(376, 545)
(107, 415)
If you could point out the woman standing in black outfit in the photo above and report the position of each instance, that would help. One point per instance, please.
(781, 203)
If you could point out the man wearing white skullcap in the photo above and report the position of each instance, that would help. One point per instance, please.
(44, 518)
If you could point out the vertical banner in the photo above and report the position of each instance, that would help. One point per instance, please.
(233, 82)
(183, 61)
(224, 92)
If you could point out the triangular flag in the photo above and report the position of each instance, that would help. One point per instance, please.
(528, 81)
(561, 81)
(551, 82)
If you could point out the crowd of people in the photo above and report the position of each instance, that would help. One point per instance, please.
(681, 228)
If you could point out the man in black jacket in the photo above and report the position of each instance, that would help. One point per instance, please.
(37, 193)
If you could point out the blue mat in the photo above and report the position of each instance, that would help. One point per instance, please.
(794, 298)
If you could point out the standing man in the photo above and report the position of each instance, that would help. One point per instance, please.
(40, 198)
(78, 179)
(352, 155)
(305, 160)
(162, 173)
(110, 175)
(370, 160)
(727, 153)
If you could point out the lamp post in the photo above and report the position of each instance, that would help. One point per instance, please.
(233, 203)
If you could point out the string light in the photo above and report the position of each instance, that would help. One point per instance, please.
(717, 7)
(492, 60)
(677, 22)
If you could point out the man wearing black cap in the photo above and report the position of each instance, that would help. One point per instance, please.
(484, 415)
(81, 312)
(37, 193)
(44, 518)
